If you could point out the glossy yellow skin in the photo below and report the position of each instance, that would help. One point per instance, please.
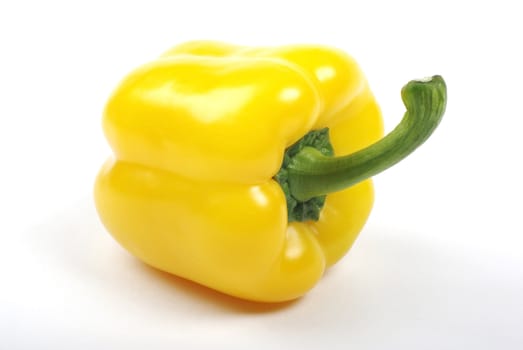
(198, 135)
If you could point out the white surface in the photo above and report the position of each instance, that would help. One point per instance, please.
(396, 289)
(439, 265)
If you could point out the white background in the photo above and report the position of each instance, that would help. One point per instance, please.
(438, 266)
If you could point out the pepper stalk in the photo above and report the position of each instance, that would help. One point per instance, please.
(310, 171)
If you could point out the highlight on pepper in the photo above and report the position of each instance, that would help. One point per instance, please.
(248, 169)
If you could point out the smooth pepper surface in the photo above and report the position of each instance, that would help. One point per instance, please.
(198, 136)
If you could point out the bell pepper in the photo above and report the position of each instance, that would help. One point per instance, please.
(247, 170)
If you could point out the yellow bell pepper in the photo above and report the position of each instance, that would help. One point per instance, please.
(223, 159)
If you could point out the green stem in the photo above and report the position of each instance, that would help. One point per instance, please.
(312, 174)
